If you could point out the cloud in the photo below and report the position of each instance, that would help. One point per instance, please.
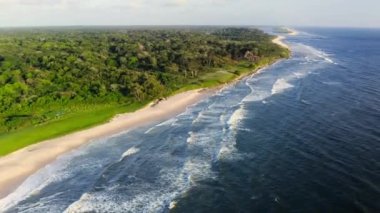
(242, 12)
(10, 3)
(104, 4)
(176, 3)
(31, 10)
(84, 4)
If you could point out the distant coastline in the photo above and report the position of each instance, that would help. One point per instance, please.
(292, 32)
(17, 166)
(279, 39)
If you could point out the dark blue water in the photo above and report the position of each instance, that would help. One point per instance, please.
(301, 136)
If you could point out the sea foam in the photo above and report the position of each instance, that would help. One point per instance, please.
(280, 86)
(130, 151)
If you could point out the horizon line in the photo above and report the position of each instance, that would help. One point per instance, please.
(187, 25)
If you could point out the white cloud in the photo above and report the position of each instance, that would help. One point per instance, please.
(176, 3)
(242, 12)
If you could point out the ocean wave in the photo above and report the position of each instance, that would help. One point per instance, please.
(332, 83)
(159, 195)
(33, 185)
(204, 117)
(170, 122)
(167, 122)
(280, 79)
(228, 151)
(312, 54)
(206, 124)
(130, 151)
(35, 194)
(258, 95)
(191, 138)
(146, 197)
(310, 35)
(236, 117)
(280, 86)
(228, 148)
(152, 201)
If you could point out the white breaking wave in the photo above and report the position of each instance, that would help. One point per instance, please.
(152, 201)
(236, 117)
(170, 122)
(259, 95)
(228, 150)
(169, 184)
(317, 54)
(35, 183)
(325, 56)
(332, 83)
(172, 182)
(130, 151)
(191, 138)
(148, 199)
(280, 86)
(199, 118)
(305, 61)
(52, 173)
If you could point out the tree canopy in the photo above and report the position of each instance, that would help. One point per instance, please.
(42, 69)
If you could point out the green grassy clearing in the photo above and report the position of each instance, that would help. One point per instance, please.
(15, 140)
(10, 142)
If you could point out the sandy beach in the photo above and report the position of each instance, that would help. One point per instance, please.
(16, 167)
(278, 40)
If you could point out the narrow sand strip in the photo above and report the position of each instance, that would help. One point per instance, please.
(16, 167)
(292, 32)
(279, 41)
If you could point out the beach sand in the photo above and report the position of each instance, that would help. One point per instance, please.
(17, 166)
(278, 40)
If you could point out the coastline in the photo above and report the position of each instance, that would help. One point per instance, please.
(292, 32)
(278, 40)
(16, 167)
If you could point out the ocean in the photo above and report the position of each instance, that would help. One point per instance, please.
(300, 136)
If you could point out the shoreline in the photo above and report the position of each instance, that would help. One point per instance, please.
(279, 40)
(16, 167)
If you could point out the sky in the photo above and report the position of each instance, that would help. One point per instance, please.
(331, 13)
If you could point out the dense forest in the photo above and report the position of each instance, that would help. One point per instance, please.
(48, 73)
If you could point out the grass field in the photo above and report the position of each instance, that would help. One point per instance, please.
(13, 141)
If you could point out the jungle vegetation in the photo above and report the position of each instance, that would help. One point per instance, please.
(74, 78)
